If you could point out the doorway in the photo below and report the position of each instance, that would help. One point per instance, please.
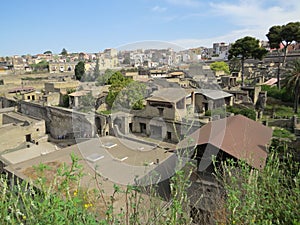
(143, 128)
(28, 137)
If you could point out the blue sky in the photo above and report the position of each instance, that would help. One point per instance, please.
(34, 26)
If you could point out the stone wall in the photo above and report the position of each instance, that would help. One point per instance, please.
(6, 103)
(35, 110)
(70, 124)
(55, 86)
(64, 123)
(283, 123)
(206, 201)
(7, 119)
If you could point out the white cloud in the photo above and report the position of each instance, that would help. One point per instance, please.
(228, 38)
(254, 17)
(158, 9)
(188, 3)
(258, 14)
(150, 44)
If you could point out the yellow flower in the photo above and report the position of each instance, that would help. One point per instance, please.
(87, 205)
(24, 217)
(75, 193)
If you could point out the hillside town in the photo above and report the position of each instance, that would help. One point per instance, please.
(135, 117)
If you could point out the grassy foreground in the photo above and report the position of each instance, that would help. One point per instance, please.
(269, 196)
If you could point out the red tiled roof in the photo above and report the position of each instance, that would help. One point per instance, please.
(238, 136)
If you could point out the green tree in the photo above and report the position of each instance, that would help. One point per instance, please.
(118, 82)
(42, 65)
(292, 82)
(48, 52)
(244, 48)
(283, 35)
(248, 112)
(132, 96)
(79, 70)
(65, 98)
(234, 65)
(220, 66)
(116, 78)
(103, 79)
(87, 101)
(64, 52)
(87, 77)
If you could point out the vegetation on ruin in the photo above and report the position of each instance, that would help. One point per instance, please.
(283, 35)
(65, 98)
(274, 92)
(267, 196)
(248, 112)
(125, 92)
(41, 66)
(283, 133)
(292, 82)
(103, 79)
(244, 48)
(79, 70)
(220, 66)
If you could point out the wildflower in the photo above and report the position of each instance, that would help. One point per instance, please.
(75, 193)
(8, 218)
(24, 217)
(88, 205)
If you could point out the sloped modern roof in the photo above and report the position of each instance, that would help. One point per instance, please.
(238, 136)
(214, 94)
(168, 95)
(271, 82)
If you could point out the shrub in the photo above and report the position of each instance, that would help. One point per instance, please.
(283, 133)
(55, 197)
(281, 94)
(217, 111)
(269, 196)
(250, 113)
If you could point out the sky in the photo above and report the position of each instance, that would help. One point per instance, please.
(35, 26)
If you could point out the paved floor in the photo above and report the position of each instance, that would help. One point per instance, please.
(121, 164)
(29, 153)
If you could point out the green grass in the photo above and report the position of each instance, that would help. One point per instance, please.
(281, 111)
(32, 78)
(282, 94)
(105, 112)
(56, 197)
(283, 133)
(268, 196)
(250, 113)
